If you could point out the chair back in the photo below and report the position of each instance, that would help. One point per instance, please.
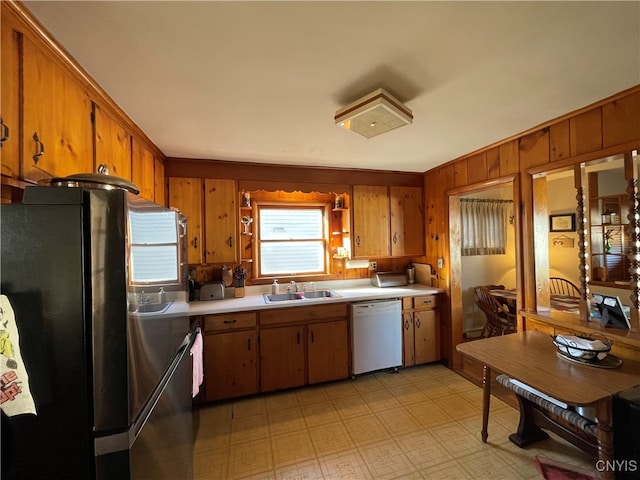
(499, 320)
(562, 286)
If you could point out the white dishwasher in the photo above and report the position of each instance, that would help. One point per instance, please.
(376, 332)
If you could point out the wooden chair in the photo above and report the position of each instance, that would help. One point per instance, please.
(500, 320)
(562, 286)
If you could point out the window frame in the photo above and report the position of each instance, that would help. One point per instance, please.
(325, 209)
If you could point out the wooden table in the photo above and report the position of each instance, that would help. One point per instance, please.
(531, 358)
(558, 302)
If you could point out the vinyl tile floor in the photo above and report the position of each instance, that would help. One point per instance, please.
(419, 423)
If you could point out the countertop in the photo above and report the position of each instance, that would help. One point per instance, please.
(349, 291)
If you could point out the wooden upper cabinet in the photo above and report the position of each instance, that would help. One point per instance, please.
(142, 167)
(159, 182)
(9, 99)
(185, 194)
(56, 119)
(220, 220)
(407, 219)
(370, 221)
(113, 144)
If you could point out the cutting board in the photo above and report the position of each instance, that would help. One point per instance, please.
(424, 276)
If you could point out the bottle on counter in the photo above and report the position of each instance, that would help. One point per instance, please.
(162, 296)
(275, 287)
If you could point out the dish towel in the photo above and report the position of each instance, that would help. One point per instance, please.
(15, 396)
(198, 372)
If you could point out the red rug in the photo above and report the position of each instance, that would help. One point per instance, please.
(553, 470)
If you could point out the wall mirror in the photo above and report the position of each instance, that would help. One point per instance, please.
(597, 256)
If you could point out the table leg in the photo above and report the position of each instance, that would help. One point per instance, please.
(604, 434)
(486, 396)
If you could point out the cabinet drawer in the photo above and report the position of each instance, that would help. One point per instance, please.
(407, 303)
(425, 302)
(228, 321)
(303, 314)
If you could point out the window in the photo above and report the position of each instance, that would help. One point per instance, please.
(154, 247)
(292, 240)
(484, 226)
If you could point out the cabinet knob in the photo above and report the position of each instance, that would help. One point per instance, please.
(358, 240)
(230, 241)
(39, 148)
(194, 242)
(395, 237)
(248, 344)
(417, 322)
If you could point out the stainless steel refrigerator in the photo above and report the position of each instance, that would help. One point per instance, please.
(111, 384)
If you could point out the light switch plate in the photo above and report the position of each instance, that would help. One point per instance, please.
(440, 262)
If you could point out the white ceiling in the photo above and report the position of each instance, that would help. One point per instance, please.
(261, 81)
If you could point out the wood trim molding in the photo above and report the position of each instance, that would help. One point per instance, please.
(287, 174)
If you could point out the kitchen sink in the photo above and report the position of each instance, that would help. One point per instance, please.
(151, 307)
(283, 297)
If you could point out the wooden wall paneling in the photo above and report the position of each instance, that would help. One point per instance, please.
(477, 170)
(112, 144)
(559, 142)
(64, 132)
(585, 132)
(460, 173)
(621, 121)
(160, 186)
(509, 161)
(142, 169)
(10, 98)
(493, 162)
(533, 149)
(538, 262)
(456, 327)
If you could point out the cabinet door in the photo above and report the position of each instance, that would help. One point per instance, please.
(370, 221)
(113, 144)
(64, 144)
(231, 365)
(220, 220)
(408, 356)
(281, 357)
(328, 351)
(407, 235)
(142, 170)
(9, 99)
(185, 194)
(427, 344)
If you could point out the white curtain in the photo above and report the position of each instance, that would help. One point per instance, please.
(484, 226)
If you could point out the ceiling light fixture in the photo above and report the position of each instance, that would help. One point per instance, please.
(373, 114)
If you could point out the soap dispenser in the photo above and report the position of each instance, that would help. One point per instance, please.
(162, 296)
(275, 287)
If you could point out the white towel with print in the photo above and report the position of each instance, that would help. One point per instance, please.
(15, 396)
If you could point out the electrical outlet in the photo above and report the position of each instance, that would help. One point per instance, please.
(373, 265)
(440, 262)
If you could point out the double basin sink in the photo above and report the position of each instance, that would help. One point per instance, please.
(284, 297)
(150, 308)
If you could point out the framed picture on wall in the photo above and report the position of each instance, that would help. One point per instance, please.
(562, 223)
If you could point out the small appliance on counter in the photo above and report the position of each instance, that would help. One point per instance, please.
(212, 291)
(389, 279)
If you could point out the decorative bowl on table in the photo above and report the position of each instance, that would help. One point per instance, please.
(582, 348)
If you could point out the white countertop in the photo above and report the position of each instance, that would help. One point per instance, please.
(349, 291)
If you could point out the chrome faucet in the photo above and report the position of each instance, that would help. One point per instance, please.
(142, 299)
(293, 286)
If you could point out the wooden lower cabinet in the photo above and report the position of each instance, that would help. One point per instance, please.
(303, 345)
(281, 357)
(230, 355)
(421, 330)
(328, 351)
